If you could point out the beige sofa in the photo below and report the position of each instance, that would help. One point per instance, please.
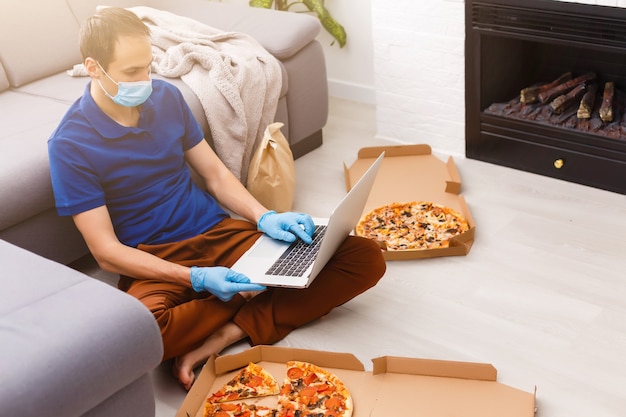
(38, 43)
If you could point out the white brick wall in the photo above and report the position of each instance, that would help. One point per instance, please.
(419, 70)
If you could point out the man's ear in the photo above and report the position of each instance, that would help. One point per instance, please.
(92, 67)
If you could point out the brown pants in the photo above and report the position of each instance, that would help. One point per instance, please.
(187, 318)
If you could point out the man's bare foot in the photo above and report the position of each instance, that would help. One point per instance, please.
(183, 373)
(183, 368)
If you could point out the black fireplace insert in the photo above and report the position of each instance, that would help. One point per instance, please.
(516, 44)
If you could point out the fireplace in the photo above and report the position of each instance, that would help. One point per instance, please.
(514, 44)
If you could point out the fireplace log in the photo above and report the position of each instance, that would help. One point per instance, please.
(530, 95)
(563, 88)
(586, 104)
(606, 109)
(564, 101)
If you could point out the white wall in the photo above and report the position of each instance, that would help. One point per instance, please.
(419, 67)
(351, 68)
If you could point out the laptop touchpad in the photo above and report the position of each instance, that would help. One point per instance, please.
(268, 248)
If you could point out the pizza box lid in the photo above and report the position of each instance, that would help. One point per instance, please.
(395, 386)
(411, 173)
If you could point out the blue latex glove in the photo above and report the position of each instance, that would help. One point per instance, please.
(287, 226)
(222, 282)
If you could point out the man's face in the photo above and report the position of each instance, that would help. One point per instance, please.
(131, 62)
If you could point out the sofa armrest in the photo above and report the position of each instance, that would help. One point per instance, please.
(69, 342)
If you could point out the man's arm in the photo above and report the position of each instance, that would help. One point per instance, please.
(113, 256)
(222, 184)
(97, 229)
(225, 187)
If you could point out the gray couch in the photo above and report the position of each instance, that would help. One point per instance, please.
(38, 43)
(71, 345)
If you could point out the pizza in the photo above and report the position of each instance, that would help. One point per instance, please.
(238, 410)
(310, 391)
(251, 381)
(307, 391)
(412, 225)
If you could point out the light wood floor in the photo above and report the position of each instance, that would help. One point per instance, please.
(541, 295)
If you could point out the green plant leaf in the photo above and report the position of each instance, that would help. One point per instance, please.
(328, 22)
(266, 4)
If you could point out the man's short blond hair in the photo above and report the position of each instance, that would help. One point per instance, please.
(100, 33)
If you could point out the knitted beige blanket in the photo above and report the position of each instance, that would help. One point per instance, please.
(237, 81)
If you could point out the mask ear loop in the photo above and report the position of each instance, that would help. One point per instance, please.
(105, 73)
(100, 83)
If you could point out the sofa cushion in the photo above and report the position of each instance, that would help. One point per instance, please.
(49, 235)
(69, 342)
(59, 87)
(32, 35)
(27, 123)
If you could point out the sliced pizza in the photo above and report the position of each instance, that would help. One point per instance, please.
(232, 409)
(310, 390)
(250, 382)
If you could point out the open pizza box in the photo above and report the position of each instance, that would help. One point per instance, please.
(395, 387)
(411, 173)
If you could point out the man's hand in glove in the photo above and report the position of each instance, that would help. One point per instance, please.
(222, 282)
(287, 226)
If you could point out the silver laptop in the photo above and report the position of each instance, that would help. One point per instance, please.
(281, 264)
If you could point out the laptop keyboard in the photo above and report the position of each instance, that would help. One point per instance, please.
(298, 256)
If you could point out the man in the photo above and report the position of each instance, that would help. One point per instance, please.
(118, 162)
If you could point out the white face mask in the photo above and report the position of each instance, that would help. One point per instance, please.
(129, 94)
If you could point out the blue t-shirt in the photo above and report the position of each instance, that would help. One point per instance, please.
(139, 173)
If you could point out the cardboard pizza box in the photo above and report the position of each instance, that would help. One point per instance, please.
(395, 387)
(411, 173)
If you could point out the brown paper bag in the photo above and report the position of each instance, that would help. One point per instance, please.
(272, 171)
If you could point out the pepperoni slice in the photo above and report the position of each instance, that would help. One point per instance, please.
(310, 378)
(286, 389)
(228, 407)
(255, 381)
(334, 403)
(308, 392)
(294, 373)
(233, 396)
(323, 387)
